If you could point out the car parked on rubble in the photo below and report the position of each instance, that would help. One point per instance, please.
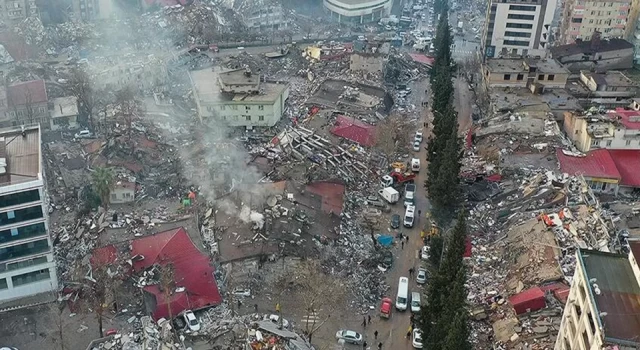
(83, 134)
(348, 336)
(275, 319)
(192, 322)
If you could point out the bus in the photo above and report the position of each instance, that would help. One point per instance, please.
(403, 294)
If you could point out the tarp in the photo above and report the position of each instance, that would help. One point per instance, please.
(385, 240)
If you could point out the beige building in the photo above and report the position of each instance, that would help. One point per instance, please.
(609, 19)
(529, 73)
(123, 192)
(603, 308)
(618, 129)
(238, 98)
(368, 62)
(609, 84)
(27, 103)
(64, 113)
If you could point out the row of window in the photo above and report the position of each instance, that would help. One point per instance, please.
(521, 8)
(236, 118)
(520, 77)
(23, 264)
(233, 107)
(518, 34)
(520, 25)
(609, 142)
(25, 249)
(23, 232)
(13, 216)
(19, 198)
(516, 43)
(524, 17)
(31, 277)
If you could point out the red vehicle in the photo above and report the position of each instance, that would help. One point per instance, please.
(385, 308)
(396, 178)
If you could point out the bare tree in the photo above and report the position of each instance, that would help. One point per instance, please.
(168, 285)
(100, 292)
(80, 86)
(128, 105)
(392, 135)
(315, 290)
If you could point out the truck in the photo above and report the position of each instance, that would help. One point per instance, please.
(396, 178)
(389, 194)
(460, 26)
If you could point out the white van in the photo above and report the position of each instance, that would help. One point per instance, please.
(403, 294)
(415, 302)
(409, 216)
(415, 165)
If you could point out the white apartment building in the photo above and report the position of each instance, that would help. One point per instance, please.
(27, 264)
(357, 11)
(603, 308)
(516, 28)
(238, 98)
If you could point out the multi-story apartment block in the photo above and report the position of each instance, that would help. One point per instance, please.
(13, 12)
(27, 264)
(524, 73)
(608, 18)
(618, 129)
(238, 98)
(516, 28)
(90, 10)
(263, 16)
(603, 308)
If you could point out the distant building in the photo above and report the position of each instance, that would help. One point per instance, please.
(618, 129)
(368, 62)
(64, 113)
(262, 16)
(144, 72)
(516, 28)
(27, 104)
(27, 265)
(603, 308)
(90, 10)
(357, 11)
(608, 18)
(596, 54)
(609, 84)
(529, 73)
(238, 97)
(123, 192)
(13, 12)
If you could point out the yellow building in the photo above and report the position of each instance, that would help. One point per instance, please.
(524, 72)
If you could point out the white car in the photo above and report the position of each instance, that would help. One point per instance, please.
(192, 321)
(417, 339)
(416, 146)
(241, 292)
(349, 336)
(424, 253)
(421, 278)
(276, 320)
(84, 134)
(418, 136)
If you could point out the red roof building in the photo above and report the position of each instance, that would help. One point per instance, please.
(528, 301)
(628, 164)
(27, 92)
(192, 271)
(627, 117)
(595, 164)
(354, 130)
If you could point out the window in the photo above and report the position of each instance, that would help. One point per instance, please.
(595, 143)
(627, 143)
(248, 118)
(540, 76)
(585, 339)
(516, 43)
(114, 196)
(521, 8)
(19, 198)
(518, 34)
(608, 143)
(3, 283)
(25, 214)
(591, 324)
(520, 77)
(507, 77)
(41, 110)
(23, 232)
(30, 277)
(234, 107)
(551, 77)
(222, 107)
(261, 118)
(247, 108)
(576, 20)
(261, 108)
(25, 249)
(524, 17)
(26, 263)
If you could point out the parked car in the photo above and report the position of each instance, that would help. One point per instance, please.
(84, 134)
(192, 322)
(421, 278)
(276, 319)
(424, 253)
(352, 337)
(242, 292)
(418, 136)
(416, 146)
(395, 221)
(417, 339)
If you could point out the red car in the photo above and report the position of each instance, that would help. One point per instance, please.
(385, 308)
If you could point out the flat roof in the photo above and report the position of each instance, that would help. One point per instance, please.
(618, 294)
(206, 89)
(22, 153)
(239, 77)
(64, 106)
(549, 65)
(505, 65)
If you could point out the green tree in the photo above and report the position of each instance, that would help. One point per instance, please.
(102, 182)
(445, 189)
(435, 250)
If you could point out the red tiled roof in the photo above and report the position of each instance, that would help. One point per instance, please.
(33, 91)
(421, 58)
(628, 164)
(354, 130)
(191, 269)
(332, 195)
(624, 117)
(596, 163)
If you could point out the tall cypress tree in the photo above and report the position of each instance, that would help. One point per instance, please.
(445, 189)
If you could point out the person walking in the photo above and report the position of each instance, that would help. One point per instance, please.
(369, 319)
(409, 332)
(255, 307)
(402, 244)
(411, 272)
(375, 334)
(364, 322)
(364, 345)
(380, 346)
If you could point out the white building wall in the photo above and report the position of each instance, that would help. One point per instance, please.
(361, 9)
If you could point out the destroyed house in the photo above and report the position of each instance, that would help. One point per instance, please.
(27, 265)
(616, 129)
(27, 103)
(238, 98)
(266, 334)
(194, 284)
(603, 308)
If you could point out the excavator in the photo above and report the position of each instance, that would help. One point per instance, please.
(397, 178)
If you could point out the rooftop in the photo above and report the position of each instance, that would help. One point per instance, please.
(549, 65)
(517, 65)
(628, 163)
(64, 106)
(22, 154)
(610, 78)
(586, 47)
(628, 117)
(354, 130)
(618, 294)
(207, 89)
(239, 77)
(33, 91)
(596, 163)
